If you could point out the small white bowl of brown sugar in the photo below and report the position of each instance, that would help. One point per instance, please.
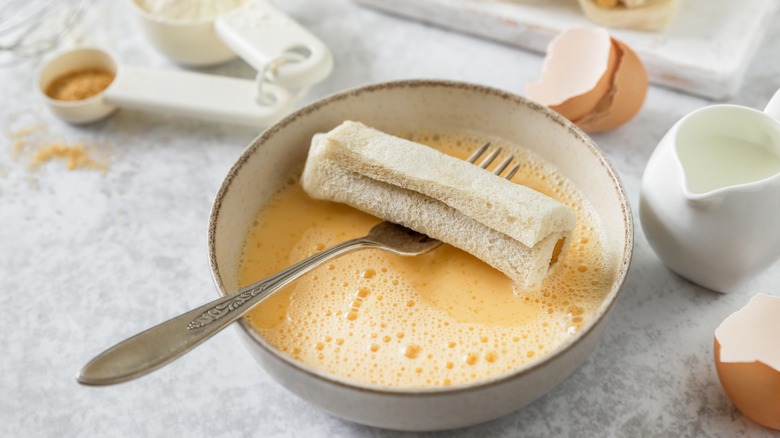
(73, 83)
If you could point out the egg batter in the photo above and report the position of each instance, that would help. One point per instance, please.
(444, 318)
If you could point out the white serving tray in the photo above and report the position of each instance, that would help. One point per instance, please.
(705, 51)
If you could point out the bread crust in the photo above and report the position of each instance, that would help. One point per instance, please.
(430, 192)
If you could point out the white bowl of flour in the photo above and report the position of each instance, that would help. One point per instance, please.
(184, 30)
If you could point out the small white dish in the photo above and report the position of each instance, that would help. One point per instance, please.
(190, 43)
(173, 92)
(80, 111)
(257, 31)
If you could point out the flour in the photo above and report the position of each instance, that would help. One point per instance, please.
(189, 10)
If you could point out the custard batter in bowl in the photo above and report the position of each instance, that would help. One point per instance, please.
(441, 319)
(436, 341)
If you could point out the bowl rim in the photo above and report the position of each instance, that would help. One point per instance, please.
(171, 22)
(480, 384)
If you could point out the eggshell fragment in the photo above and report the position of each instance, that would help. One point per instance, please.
(593, 80)
(628, 93)
(577, 72)
(747, 359)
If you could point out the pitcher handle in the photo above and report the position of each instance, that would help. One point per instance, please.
(773, 107)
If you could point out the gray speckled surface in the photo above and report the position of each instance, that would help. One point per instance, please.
(88, 258)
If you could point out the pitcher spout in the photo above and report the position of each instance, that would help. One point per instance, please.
(773, 107)
(705, 201)
(728, 149)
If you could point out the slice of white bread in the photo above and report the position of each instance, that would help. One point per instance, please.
(517, 230)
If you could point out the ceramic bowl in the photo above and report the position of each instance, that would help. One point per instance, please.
(189, 43)
(82, 111)
(278, 155)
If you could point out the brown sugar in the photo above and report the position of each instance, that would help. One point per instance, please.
(30, 139)
(79, 84)
(76, 156)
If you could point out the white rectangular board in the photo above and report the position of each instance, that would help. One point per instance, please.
(705, 51)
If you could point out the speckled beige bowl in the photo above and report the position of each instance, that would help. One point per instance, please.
(278, 154)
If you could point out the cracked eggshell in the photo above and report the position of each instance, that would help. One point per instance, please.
(626, 98)
(577, 72)
(593, 80)
(747, 359)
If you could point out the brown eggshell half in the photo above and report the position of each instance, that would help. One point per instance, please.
(753, 387)
(581, 105)
(626, 96)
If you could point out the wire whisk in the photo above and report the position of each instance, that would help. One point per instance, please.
(30, 28)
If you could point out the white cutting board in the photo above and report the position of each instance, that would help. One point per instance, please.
(705, 51)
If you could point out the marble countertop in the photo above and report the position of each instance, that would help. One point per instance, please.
(89, 257)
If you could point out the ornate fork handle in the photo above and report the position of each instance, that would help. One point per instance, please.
(159, 345)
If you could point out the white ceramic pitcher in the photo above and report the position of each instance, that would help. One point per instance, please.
(710, 198)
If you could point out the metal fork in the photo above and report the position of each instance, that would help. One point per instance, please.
(161, 344)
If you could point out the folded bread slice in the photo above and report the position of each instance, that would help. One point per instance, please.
(515, 229)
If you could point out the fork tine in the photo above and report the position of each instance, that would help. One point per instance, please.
(503, 165)
(489, 159)
(478, 153)
(512, 172)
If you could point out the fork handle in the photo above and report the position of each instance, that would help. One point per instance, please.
(161, 344)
